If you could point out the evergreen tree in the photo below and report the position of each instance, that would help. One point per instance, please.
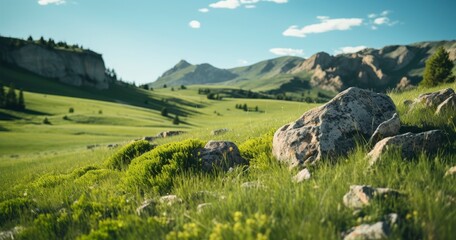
(245, 107)
(11, 100)
(30, 39)
(2, 96)
(176, 120)
(438, 69)
(164, 112)
(21, 101)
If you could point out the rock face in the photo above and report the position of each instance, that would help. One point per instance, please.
(387, 128)
(410, 144)
(361, 195)
(378, 230)
(331, 130)
(220, 154)
(77, 68)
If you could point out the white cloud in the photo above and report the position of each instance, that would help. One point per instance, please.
(381, 20)
(325, 25)
(46, 2)
(385, 13)
(277, 1)
(242, 62)
(286, 51)
(204, 10)
(229, 4)
(322, 17)
(250, 6)
(249, 1)
(349, 49)
(194, 24)
(372, 15)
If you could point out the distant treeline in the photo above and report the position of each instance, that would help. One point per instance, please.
(49, 43)
(10, 100)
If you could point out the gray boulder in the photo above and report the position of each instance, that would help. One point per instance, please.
(331, 130)
(220, 154)
(378, 230)
(410, 144)
(170, 200)
(447, 106)
(387, 128)
(434, 99)
(169, 134)
(361, 195)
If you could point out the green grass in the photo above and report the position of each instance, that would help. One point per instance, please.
(57, 189)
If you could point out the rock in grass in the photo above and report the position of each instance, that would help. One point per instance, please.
(253, 184)
(332, 129)
(387, 128)
(361, 195)
(378, 230)
(434, 99)
(220, 155)
(11, 234)
(451, 171)
(409, 145)
(146, 208)
(302, 176)
(201, 207)
(170, 200)
(169, 134)
(447, 106)
(219, 131)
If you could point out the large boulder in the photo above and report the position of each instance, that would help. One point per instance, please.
(220, 155)
(434, 99)
(378, 230)
(409, 144)
(387, 128)
(332, 129)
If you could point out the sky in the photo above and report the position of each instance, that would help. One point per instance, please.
(141, 39)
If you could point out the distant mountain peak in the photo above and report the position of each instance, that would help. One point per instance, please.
(182, 64)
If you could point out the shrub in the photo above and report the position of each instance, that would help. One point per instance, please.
(164, 112)
(258, 151)
(157, 168)
(122, 158)
(46, 121)
(66, 118)
(176, 120)
(13, 209)
(71, 110)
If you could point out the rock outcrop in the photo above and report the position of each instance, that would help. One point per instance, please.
(434, 99)
(220, 155)
(332, 129)
(409, 144)
(378, 230)
(74, 67)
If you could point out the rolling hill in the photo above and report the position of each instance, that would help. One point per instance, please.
(396, 66)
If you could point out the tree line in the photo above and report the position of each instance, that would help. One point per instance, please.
(10, 100)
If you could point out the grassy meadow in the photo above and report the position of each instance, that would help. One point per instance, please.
(56, 188)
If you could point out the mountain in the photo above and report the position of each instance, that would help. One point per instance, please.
(68, 64)
(396, 66)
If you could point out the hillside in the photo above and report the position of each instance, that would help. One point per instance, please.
(398, 66)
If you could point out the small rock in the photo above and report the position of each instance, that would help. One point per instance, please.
(149, 138)
(447, 106)
(169, 134)
(114, 145)
(392, 219)
(434, 99)
(253, 184)
(302, 176)
(379, 230)
(361, 195)
(219, 131)
(147, 207)
(451, 171)
(408, 103)
(203, 206)
(220, 154)
(170, 200)
(410, 144)
(11, 234)
(387, 128)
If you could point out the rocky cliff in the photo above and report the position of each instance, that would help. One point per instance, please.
(76, 67)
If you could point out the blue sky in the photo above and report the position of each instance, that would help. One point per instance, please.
(141, 39)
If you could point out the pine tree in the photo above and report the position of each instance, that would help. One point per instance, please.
(10, 100)
(176, 120)
(2, 96)
(30, 39)
(438, 69)
(21, 101)
(164, 112)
